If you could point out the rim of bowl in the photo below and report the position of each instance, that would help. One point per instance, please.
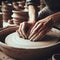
(8, 46)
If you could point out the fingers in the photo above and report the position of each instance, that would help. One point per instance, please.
(39, 35)
(35, 30)
(34, 27)
(40, 26)
(32, 37)
(22, 30)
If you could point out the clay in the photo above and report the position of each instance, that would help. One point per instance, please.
(19, 16)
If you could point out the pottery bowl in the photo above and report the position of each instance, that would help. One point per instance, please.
(29, 51)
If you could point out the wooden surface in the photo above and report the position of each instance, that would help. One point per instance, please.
(5, 57)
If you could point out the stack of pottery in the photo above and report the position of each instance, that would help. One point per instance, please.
(7, 11)
(1, 21)
(19, 16)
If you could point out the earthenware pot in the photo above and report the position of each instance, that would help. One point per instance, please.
(26, 50)
(19, 16)
(27, 53)
(7, 12)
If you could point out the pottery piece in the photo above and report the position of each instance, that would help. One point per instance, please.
(19, 16)
(7, 12)
(29, 53)
(26, 50)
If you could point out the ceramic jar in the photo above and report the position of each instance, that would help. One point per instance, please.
(7, 12)
(19, 16)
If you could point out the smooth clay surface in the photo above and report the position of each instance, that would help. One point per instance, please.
(15, 41)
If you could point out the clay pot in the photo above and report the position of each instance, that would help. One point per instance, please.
(7, 12)
(29, 51)
(19, 16)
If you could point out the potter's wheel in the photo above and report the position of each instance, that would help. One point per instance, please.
(15, 41)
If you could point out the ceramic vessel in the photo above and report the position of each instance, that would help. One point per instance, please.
(29, 53)
(19, 16)
(28, 50)
(7, 12)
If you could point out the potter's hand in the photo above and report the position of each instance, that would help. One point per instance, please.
(24, 29)
(40, 29)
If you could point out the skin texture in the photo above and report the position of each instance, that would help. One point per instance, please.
(39, 29)
(33, 13)
(43, 26)
(34, 30)
(25, 27)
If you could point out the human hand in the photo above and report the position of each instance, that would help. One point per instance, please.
(24, 29)
(40, 29)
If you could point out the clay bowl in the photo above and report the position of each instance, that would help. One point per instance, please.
(26, 50)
